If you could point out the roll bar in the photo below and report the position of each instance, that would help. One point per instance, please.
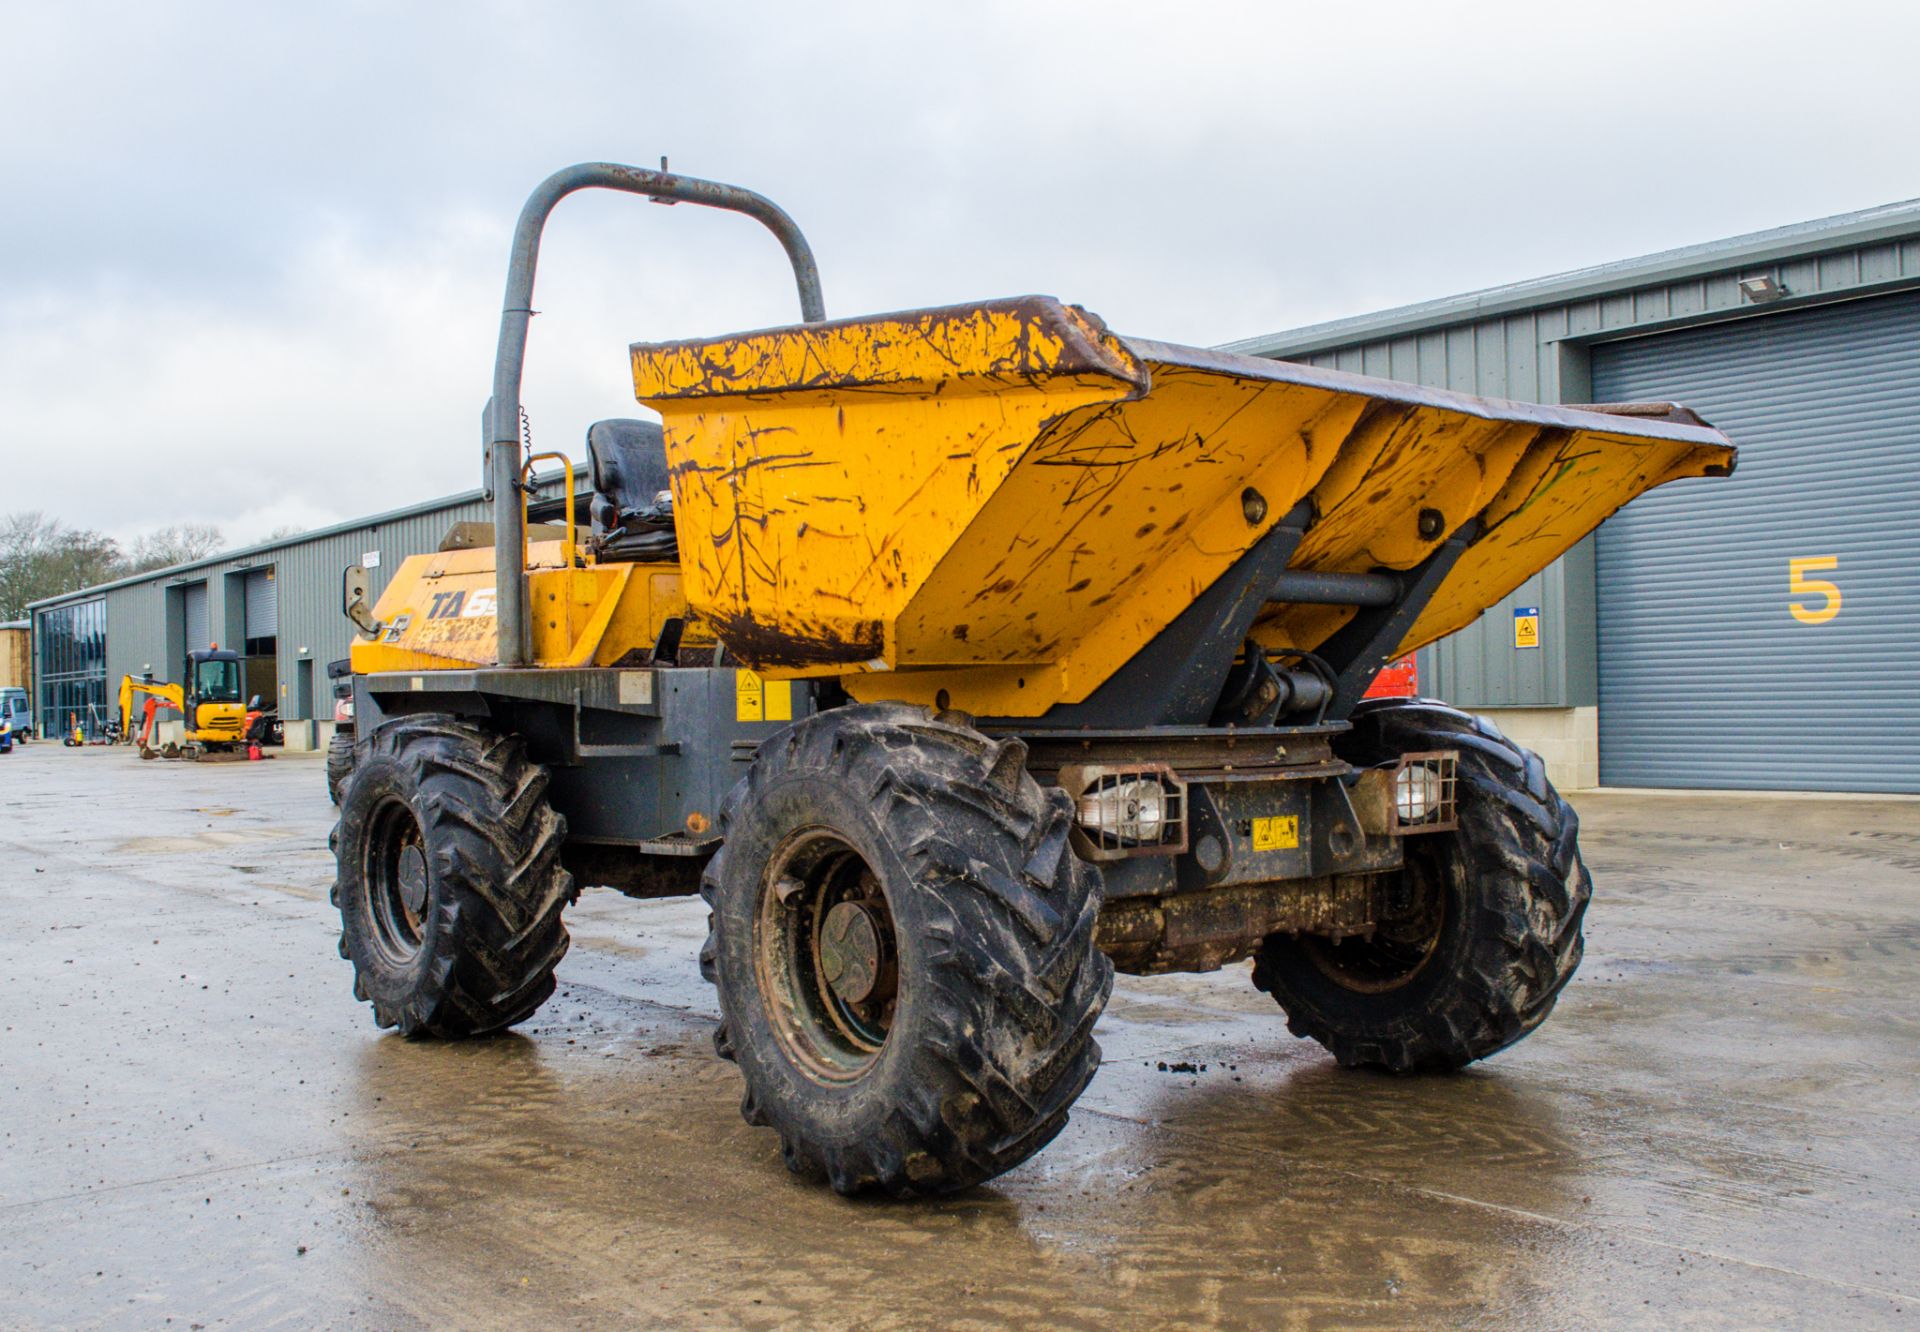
(502, 432)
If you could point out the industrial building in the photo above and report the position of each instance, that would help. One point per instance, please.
(278, 603)
(1756, 633)
(1759, 632)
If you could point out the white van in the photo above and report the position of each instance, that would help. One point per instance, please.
(15, 712)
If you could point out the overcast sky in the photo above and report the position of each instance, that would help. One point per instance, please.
(251, 254)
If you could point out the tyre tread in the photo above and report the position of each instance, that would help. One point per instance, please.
(1521, 840)
(495, 846)
(1015, 982)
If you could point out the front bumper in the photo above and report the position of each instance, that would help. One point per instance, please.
(1260, 831)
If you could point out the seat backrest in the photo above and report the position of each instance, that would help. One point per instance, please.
(629, 461)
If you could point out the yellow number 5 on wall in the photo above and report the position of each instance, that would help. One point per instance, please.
(1802, 586)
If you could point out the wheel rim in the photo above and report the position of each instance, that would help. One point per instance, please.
(826, 956)
(1401, 945)
(398, 883)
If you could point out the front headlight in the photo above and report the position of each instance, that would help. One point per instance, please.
(1416, 793)
(1425, 789)
(1133, 811)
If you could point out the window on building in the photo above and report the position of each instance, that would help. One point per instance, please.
(72, 676)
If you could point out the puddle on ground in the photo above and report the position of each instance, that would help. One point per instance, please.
(206, 841)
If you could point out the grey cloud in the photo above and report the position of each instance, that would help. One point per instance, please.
(274, 234)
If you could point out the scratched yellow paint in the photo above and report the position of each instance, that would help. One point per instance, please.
(587, 616)
(1399, 465)
(827, 471)
(984, 502)
(959, 349)
(1586, 477)
(1001, 504)
(1117, 519)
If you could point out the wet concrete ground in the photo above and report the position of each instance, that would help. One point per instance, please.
(199, 1126)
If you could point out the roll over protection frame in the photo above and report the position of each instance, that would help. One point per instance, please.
(503, 462)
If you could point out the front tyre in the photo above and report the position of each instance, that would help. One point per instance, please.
(1483, 926)
(448, 879)
(903, 943)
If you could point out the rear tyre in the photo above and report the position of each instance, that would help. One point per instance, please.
(449, 881)
(1484, 926)
(903, 943)
(339, 761)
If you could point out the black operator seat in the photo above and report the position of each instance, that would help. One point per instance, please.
(632, 501)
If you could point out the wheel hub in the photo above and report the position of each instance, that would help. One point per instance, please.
(413, 880)
(850, 951)
(1403, 942)
(826, 956)
(396, 882)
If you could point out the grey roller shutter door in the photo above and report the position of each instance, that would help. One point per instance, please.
(1707, 677)
(199, 623)
(263, 604)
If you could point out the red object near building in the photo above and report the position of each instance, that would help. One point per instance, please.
(146, 723)
(1399, 680)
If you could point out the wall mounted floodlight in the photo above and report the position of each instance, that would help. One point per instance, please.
(1760, 290)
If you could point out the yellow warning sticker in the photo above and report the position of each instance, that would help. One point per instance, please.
(755, 699)
(1526, 626)
(1278, 833)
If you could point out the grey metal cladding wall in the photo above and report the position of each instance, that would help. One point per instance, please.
(306, 596)
(1512, 353)
(1479, 667)
(1540, 355)
(136, 635)
(308, 574)
(1706, 676)
(311, 625)
(306, 592)
(1499, 358)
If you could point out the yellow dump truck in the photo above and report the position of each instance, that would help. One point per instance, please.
(958, 657)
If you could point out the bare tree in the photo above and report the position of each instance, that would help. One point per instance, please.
(42, 557)
(173, 545)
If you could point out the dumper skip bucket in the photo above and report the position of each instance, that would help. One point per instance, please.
(1006, 502)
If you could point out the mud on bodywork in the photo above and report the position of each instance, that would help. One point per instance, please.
(1005, 503)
